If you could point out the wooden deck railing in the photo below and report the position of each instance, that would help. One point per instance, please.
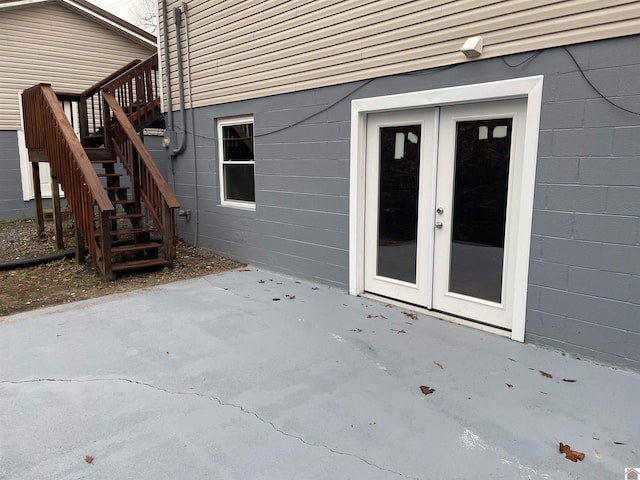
(137, 91)
(149, 184)
(47, 128)
(90, 102)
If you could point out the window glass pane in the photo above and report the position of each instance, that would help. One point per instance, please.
(237, 142)
(483, 150)
(239, 183)
(398, 204)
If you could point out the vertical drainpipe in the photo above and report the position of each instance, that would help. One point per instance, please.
(193, 125)
(177, 20)
(167, 69)
(174, 152)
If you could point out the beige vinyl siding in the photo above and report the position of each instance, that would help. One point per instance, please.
(244, 49)
(54, 44)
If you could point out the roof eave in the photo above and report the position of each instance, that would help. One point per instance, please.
(98, 14)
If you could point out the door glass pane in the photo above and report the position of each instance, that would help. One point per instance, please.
(398, 202)
(479, 208)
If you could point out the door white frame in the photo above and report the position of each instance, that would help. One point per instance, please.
(419, 292)
(529, 88)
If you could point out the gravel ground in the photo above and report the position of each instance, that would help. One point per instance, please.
(64, 281)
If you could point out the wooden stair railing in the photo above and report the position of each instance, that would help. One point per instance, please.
(90, 103)
(47, 128)
(148, 183)
(110, 116)
(137, 92)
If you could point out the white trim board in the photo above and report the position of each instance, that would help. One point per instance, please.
(529, 88)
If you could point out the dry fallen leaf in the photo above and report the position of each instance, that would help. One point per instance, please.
(619, 443)
(509, 385)
(244, 270)
(597, 454)
(545, 374)
(412, 316)
(299, 283)
(88, 459)
(290, 297)
(398, 331)
(315, 288)
(376, 316)
(568, 380)
(569, 454)
(357, 330)
(426, 390)
(262, 281)
(439, 365)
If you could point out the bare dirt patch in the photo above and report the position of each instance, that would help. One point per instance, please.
(64, 281)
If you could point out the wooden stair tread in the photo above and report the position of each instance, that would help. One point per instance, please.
(110, 175)
(126, 216)
(127, 231)
(100, 153)
(123, 202)
(121, 216)
(139, 264)
(104, 161)
(136, 246)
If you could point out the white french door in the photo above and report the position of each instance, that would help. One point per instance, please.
(442, 195)
(400, 151)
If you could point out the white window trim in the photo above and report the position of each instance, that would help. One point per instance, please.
(222, 123)
(28, 192)
(527, 87)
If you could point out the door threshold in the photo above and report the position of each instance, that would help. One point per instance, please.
(440, 315)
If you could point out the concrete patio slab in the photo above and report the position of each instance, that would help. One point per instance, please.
(254, 375)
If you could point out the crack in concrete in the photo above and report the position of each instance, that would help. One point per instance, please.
(221, 403)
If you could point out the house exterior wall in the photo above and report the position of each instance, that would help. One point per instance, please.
(52, 44)
(251, 49)
(584, 277)
(160, 155)
(11, 203)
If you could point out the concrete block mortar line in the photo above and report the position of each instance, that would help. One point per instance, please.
(220, 402)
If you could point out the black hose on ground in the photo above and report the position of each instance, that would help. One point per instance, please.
(68, 254)
(32, 262)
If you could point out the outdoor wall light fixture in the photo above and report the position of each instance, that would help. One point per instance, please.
(472, 47)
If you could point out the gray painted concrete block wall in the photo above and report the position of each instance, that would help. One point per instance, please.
(585, 269)
(11, 203)
(584, 292)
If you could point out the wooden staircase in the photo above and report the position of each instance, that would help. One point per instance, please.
(123, 209)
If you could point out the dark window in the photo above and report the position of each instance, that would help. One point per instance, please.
(237, 160)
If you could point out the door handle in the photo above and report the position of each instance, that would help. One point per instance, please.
(438, 224)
